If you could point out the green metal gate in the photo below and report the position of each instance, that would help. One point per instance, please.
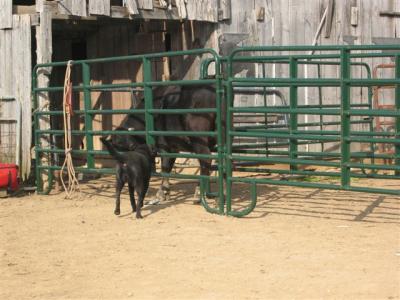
(88, 112)
(345, 164)
(234, 160)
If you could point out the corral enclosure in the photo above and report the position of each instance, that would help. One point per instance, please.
(77, 29)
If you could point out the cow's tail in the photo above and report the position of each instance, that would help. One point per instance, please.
(114, 153)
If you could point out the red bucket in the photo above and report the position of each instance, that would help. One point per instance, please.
(9, 176)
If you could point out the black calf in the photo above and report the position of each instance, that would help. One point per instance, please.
(134, 168)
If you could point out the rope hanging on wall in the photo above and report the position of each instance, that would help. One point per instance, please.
(73, 183)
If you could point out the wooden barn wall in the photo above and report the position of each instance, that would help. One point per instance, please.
(294, 22)
(200, 10)
(15, 82)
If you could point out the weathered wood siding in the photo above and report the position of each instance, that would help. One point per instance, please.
(5, 14)
(44, 50)
(99, 7)
(73, 7)
(15, 82)
(145, 4)
(202, 10)
(132, 7)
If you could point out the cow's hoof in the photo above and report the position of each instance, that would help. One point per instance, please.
(139, 216)
(117, 212)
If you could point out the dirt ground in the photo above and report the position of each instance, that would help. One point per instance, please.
(297, 244)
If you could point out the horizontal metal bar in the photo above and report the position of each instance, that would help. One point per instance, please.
(112, 171)
(92, 132)
(132, 58)
(304, 111)
(373, 112)
(166, 111)
(285, 136)
(285, 160)
(310, 82)
(314, 185)
(373, 167)
(189, 155)
(314, 173)
(355, 139)
(183, 133)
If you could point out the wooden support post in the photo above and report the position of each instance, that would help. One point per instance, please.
(21, 57)
(44, 54)
(5, 14)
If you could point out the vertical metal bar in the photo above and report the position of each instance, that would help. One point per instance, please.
(220, 135)
(87, 97)
(293, 143)
(38, 173)
(321, 117)
(265, 105)
(397, 119)
(229, 141)
(148, 100)
(345, 117)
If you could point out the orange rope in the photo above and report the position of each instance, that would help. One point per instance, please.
(73, 183)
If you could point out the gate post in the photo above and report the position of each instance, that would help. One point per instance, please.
(397, 119)
(345, 116)
(220, 135)
(148, 101)
(87, 96)
(293, 143)
(229, 141)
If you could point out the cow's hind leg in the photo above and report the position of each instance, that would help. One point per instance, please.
(118, 188)
(163, 193)
(132, 196)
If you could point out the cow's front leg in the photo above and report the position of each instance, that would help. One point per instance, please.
(163, 193)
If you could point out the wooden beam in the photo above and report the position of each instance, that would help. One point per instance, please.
(5, 14)
(329, 18)
(132, 7)
(99, 7)
(21, 57)
(145, 4)
(387, 13)
(44, 55)
(224, 10)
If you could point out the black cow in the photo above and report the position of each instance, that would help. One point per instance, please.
(185, 97)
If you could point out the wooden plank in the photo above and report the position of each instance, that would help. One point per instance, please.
(224, 10)
(5, 14)
(329, 17)
(44, 55)
(79, 8)
(388, 13)
(21, 56)
(99, 7)
(202, 10)
(145, 4)
(181, 6)
(65, 7)
(8, 81)
(194, 9)
(72, 7)
(131, 6)
(39, 5)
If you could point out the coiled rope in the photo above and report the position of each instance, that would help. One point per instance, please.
(73, 183)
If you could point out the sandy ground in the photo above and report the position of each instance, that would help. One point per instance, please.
(298, 244)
